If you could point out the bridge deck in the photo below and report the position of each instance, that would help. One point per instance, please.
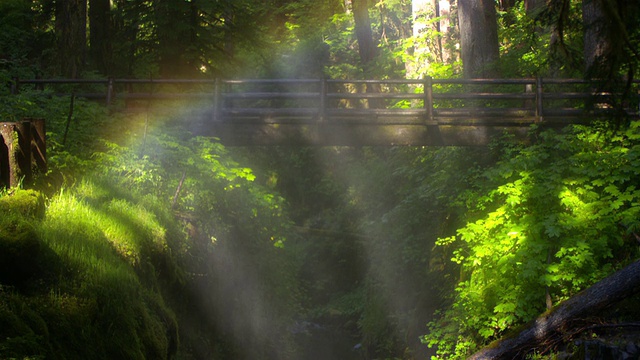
(369, 112)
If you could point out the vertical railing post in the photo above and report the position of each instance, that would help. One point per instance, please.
(216, 99)
(428, 99)
(109, 91)
(39, 145)
(528, 104)
(322, 111)
(434, 137)
(15, 154)
(539, 110)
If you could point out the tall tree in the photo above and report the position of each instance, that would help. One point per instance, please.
(533, 7)
(445, 35)
(505, 5)
(478, 37)
(367, 46)
(560, 14)
(100, 49)
(601, 53)
(553, 15)
(71, 33)
(174, 33)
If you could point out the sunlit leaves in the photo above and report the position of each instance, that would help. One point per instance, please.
(547, 221)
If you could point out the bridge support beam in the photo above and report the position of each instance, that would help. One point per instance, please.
(334, 134)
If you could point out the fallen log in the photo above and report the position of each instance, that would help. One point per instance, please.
(553, 323)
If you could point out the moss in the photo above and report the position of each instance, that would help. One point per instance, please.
(22, 330)
(23, 256)
(28, 203)
(19, 251)
(61, 307)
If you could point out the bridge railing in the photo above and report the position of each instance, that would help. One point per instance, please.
(430, 101)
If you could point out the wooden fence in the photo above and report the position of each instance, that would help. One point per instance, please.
(439, 112)
(22, 151)
(430, 101)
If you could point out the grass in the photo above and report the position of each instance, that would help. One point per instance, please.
(96, 295)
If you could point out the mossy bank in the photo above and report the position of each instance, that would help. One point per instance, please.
(79, 281)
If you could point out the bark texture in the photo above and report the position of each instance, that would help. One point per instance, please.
(71, 34)
(608, 291)
(367, 46)
(533, 7)
(600, 55)
(478, 37)
(100, 35)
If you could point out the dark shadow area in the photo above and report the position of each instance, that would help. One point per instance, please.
(4, 164)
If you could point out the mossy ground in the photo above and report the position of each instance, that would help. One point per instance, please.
(81, 279)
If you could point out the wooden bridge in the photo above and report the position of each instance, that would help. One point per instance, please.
(431, 112)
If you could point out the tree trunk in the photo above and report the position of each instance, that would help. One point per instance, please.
(610, 290)
(100, 35)
(599, 56)
(478, 37)
(229, 46)
(558, 54)
(22, 150)
(506, 5)
(367, 47)
(172, 28)
(533, 7)
(71, 33)
(445, 41)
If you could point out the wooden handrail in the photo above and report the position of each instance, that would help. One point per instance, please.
(322, 97)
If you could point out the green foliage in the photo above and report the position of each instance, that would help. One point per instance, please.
(368, 219)
(158, 232)
(548, 221)
(23, 40)
(529, 48)
(64, 283)
(523, 50)
(106, 257)
(65, 160)
(112, 235)
(410, 199)
(237, 230)
(22, 258)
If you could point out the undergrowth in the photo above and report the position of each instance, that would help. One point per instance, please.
(116, 257)
(82, 288)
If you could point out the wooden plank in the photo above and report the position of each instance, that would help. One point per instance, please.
(271, 95)
(483, 95)
(16, 161)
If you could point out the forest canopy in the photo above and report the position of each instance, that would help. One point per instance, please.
(351, 38)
